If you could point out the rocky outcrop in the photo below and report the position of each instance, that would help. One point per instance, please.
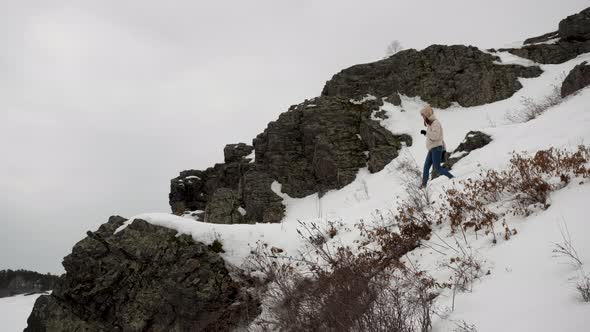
(543, 38)
(572, 39)
(577, 79)
(144, 278)
(320, 145)
(316, 146)
(473, 140)
(224, 207)
(576, 27)
(237, 152)
(438, 74)
(193, 189)
(24, 282)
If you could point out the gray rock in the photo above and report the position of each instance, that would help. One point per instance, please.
(236, 152)
(316, 146)
(144, 278)
(380, 157)
(576, 27)
(543, 38)
(577, 79)
(193, 188)
(382, 114)
(395, 99)
(574, 39)
(438, 74)
(559, 52)
(473, 140)
(320, 145)
(383, 146)
(260, 202)
(188, 192)
(223, 207)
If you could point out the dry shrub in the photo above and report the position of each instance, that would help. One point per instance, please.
(524, 185)
(365, 288)
(413, 213)
(463, 326)
(583, 288)
(466, 269)
(532, 109)
(567, 250)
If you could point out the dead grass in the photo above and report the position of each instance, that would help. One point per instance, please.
(532, 109)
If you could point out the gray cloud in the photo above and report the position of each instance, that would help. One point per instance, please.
(102, 102)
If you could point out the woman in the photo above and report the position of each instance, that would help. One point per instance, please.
(434, 144)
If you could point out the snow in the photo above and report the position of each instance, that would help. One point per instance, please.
(15, 310)
(237, 239)
(549, 42)
(459, 154)
(507, 58)
(520, 44)
(527, 290)
(251, 156)
(242, 211)
(364, 99)
(192, 177)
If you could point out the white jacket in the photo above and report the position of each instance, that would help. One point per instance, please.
(434, 134)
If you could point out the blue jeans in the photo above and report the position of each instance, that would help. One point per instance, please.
(433, 157)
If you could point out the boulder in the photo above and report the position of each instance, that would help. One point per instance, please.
(315, 146)
(559, 52)
(321, 144)
(573, 39)
(382, 145)
(260, 202)
(576, 27)
(542, 39)
(473, 140)
(395, 99)
(143, 278)
(224, 207)
(188, 192)
(194, 188)
(440, 75)
(577, 79)
(236, 152)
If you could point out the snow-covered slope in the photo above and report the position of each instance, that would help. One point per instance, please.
(566, 125)
(529, 288)
(526, 285)
(14, 312)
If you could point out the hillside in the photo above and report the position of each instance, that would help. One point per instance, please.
(342, 166)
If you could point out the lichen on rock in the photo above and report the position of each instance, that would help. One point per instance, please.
(143, 278)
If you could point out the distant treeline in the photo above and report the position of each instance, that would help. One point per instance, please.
(13, 282)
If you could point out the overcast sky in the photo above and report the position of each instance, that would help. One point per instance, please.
(103, 102)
